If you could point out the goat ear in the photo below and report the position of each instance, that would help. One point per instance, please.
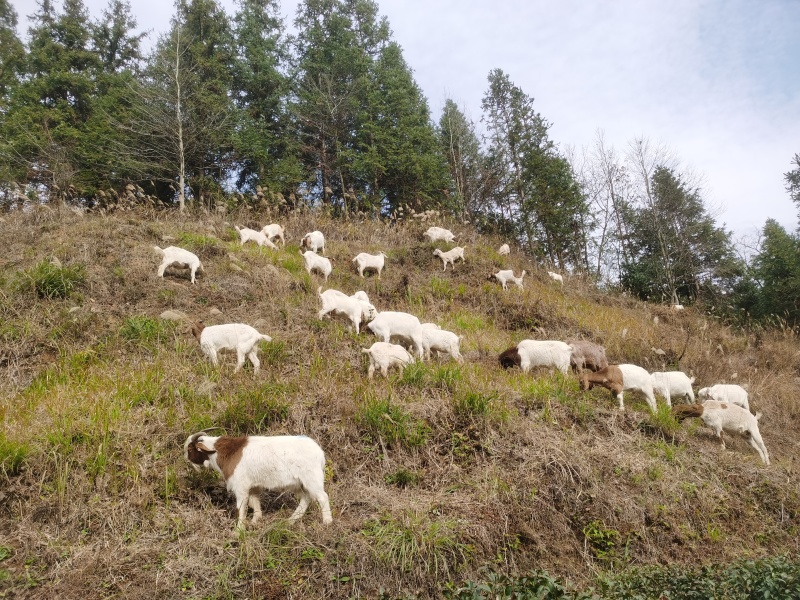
(204, 447)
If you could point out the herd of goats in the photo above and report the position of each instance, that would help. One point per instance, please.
(250, 464)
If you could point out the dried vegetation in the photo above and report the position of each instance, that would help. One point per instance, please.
(432, 474)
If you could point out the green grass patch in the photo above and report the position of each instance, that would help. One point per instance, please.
(51, 281)
(403, 478)
(12, 456)
(199, 243)
(469, 323)
(146, 331)
(411, 542)
(381, 419)
(252, 411)
(661, 423)
(415, 375)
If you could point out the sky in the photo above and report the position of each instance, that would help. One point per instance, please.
(717, 81)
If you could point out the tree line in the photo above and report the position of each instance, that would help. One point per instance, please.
(235, 109)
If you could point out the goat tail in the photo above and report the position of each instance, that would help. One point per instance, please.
(366, 350)
(687, 411)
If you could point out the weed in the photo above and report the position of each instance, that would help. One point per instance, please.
(602, 540)
(12, 456)
(274, 353)
(391, 423)
(446, 377)
(661, 423)
(146, 331)
(253, 411)
(415, 375)
(51, 281)
(411, 541)
(403, 478)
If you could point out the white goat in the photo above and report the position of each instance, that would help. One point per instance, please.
(253, 463)
(671, 384)
(314, 241)
(727, 417)
(435, 234)
(504, 250)
(231, 336)
(353, 307)
(508, 275)
(273, 232)
(441, 341)
(556, 277)
(251, 235)
(366, 261)
(677, 307)
(537, 353)
(399, 325)
(621, 378)
(451, 256)
(385, 356)
(726, 392)
(315, 262)
(178, 257)
(587, 355)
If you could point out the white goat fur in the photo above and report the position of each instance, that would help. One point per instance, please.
(399, 325)
(435, 234)
(280, 463)
(315, 262)
(354, 307)
(556, 277)
(274, 231)
(251, 235)
(673, 384)
(384, 356)
(733, 420)
(231, 336)
(451, 256)
(544, 353)
(178, 257)
(314, 241)
(441, 341)
(508, 275)
(726, 392)
(504, 250)
(366, 261)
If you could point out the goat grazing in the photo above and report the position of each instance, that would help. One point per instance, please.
(451, 256)
(253, 463)
(366, 261)
(727, 417)
(537, 353)
(315, 262)
(314, 241)
(353, 307)
(621, 378)
(384, 356)
(508, 275)
(435, 234)
(556, 277)
(274, 232)
(504, 250)
(231, 336)
(726, 392)
(587, 355)
(251, 235)
(399, 325)
(671, 384)
(178, 257)
(441, 341)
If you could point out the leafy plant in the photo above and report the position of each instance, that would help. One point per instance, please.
(49, 280)
(602, 540)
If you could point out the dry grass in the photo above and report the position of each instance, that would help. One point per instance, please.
(480, 467)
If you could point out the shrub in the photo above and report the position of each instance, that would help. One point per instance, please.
(51, 281)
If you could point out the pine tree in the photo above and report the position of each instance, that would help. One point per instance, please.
(460, 145)
(793, 181)
(12, 52)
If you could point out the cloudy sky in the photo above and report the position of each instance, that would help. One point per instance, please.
(718, 81)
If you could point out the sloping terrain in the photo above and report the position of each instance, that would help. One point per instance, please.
(432, 475)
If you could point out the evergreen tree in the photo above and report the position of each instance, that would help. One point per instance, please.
(266, 144)
(793, 181)
(777, 270)
(461, 147)
(12, 52)
(677, 254)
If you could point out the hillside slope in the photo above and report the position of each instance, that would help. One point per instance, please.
(432, 475)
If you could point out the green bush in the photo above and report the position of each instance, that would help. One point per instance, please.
(51, 281)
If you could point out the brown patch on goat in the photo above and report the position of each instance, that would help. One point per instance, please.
(197, 329)
(510, 358)
(687, 411)
(229, 453)
(610, 378)
(723, 405)
(196, 455)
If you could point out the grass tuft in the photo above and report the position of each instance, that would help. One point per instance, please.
(51, 281)
(391, 423)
